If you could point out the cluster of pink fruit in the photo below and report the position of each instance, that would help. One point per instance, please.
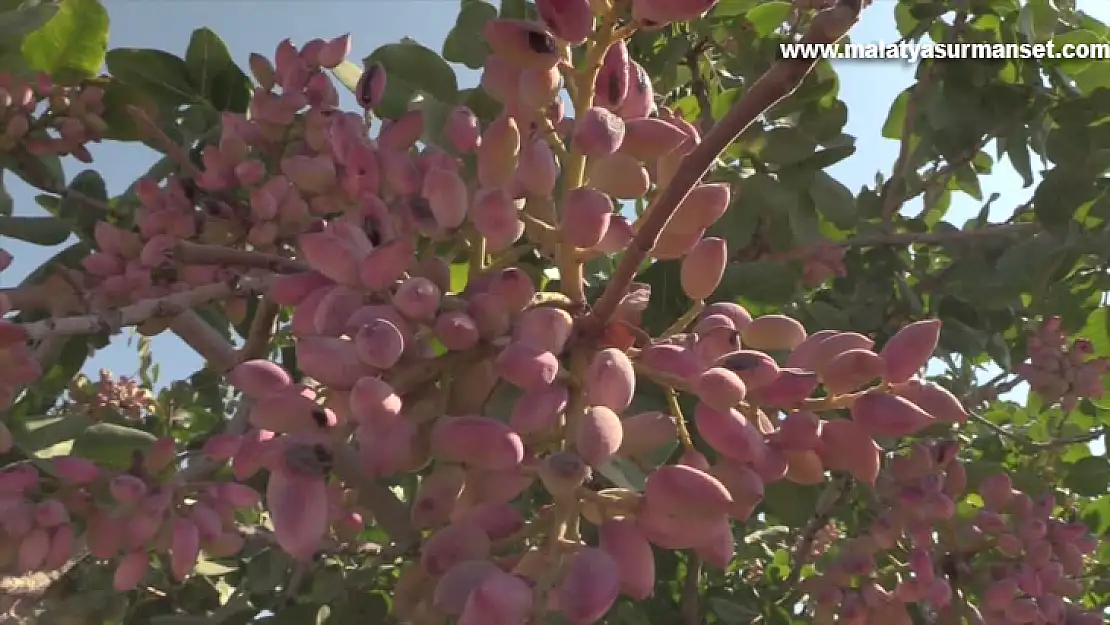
(117, 397)
(1035, 561)
(481, 464)
(70, 119)
(121, 516)
(16, 359)
(1060, 372)
(1019, 561)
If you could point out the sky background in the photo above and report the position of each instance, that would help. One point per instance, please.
(867, 87)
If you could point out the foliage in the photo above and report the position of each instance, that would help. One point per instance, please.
(630, 355)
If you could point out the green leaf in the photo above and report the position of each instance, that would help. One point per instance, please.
(46, 437)
(731, 612)
(1074, 38)
(84, 206)
(510, 9)
(410, 69)
(767, 17)
(213, 72)
(42, 172)
(828, 157)
(72, 44)
(1089, 476)
(27, 17)
(347, 73)
(833, 200)
(1038, 19)
(208, 568)
(460, 273)
(45, 231)
(784, 146)
(623, 473)
(465, 43)
(112, 445)
(160, 75)
(732, 8)
(1061, 192)
(896, 118)
(764, 281)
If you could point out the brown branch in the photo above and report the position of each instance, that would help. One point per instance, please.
(261, 330)
(169, 306)
(691, 612)
(822, 513)
(390, 513)
(218, 353)
(198, 254)
(893, 197)
(828, 27)
(150, 130)
(699, 88)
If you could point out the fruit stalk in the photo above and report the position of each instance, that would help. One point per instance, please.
(828, 27)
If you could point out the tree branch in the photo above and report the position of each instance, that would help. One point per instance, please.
(828, 27)
(198, 254)
(389, 511)
(261, 330)
(893, 196)
(691, 611)
(205, 340)
(169, 306)
(699, 88)
(1025, 441)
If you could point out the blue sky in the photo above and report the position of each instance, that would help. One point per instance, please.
(868, 88)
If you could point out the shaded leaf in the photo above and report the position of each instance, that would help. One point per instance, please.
(17, 22)
(42, 434)
(896, 117)
(764, 281)
(158, 74)
(1089, 476)
(45, 231)
(213, 72)
(410, 69)
(112, 445)
(465, 43)
(84, 205)
(765, 18)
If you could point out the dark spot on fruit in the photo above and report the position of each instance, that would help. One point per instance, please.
(323, 457)
(541, 42)
(421, 208)
(614, 88)
(742, 362)
(365, 87)
(373, 232)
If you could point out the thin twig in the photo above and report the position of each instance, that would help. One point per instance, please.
(699, 87)
(149, 129)
(1034, 445)
(822, 513)
(389, 512)
(828, 27)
